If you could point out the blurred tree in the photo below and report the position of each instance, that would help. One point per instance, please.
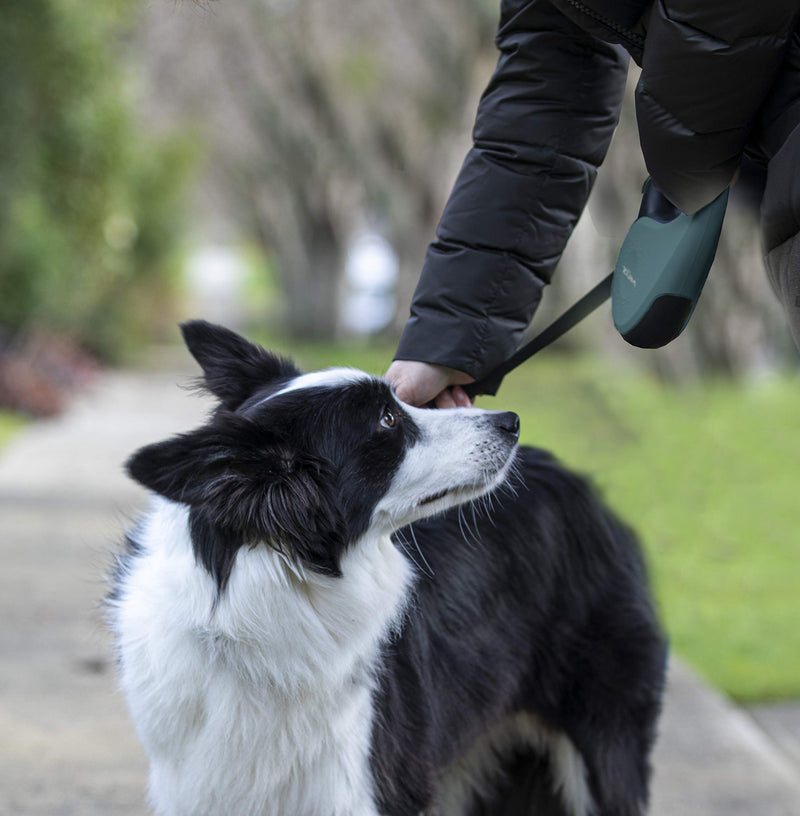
(324, 115)
(89, 206)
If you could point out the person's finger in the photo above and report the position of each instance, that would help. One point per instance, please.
(405, 393)
(445, 399)
(460, 397)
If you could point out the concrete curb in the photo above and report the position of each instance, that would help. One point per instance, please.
(712, 758)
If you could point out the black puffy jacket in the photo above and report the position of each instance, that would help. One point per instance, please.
(719, 77)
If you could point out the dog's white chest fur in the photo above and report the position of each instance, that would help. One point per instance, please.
(264, 703)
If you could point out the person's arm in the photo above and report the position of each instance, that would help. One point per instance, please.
(542, 128)
(706, 71)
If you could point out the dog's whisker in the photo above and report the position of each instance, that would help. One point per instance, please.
(428, 571)
(461, 522)
(407, 549)
(468, 533)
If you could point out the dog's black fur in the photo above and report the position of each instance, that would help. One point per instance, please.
(543, 607)
(536, 605)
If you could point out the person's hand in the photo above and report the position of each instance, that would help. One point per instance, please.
(419, 383)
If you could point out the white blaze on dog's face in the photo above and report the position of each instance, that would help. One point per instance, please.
(458, 455)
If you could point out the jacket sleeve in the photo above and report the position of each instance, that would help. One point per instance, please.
(542, 128)
(706, 70)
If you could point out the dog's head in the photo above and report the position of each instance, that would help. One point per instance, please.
(308, 464)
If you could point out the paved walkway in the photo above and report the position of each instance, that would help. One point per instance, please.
(67, 747)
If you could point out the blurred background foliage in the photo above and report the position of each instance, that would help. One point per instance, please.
(322, 120)
(91, 208)
(165, 160)
(133, 137)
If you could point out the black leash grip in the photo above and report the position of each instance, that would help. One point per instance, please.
(583, 308)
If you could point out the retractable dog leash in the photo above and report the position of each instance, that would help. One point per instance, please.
(660, 272)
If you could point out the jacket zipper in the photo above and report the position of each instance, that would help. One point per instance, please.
(636, 39)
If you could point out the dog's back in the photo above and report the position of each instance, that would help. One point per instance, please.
(532, 638)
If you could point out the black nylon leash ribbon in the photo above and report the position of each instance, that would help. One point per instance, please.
(577, 312)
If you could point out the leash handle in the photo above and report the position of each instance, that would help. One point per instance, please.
(577, 312)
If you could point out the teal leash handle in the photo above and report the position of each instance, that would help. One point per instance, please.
(662, 267)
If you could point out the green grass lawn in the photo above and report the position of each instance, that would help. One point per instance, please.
(707, 474)
(10, 423)
(709, 477)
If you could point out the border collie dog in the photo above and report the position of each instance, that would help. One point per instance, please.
(322, 614)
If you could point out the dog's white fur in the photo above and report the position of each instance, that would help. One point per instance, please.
(477, 769)
(286, 656)
(260, 701)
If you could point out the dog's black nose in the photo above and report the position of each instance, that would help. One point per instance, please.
(507, 421)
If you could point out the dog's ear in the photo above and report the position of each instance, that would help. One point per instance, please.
(233, 368)
(250, 483)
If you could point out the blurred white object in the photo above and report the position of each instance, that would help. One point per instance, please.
(216, 278)
(371, 275)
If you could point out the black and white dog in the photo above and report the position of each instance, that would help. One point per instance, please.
(312, 622)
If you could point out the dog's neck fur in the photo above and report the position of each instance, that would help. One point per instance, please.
(290, 654)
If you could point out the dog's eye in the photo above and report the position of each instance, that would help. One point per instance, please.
(388, 419)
